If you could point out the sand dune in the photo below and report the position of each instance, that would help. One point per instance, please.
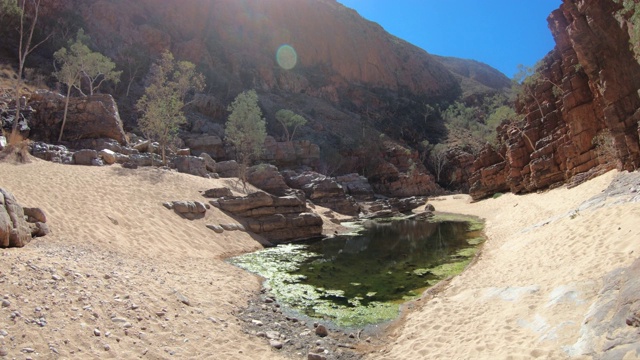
(109, 280)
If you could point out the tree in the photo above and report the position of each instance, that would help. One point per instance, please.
(246, 129)
(78, 62)
(24, 47)
(164, 99)
(438, 159)
(289, 119)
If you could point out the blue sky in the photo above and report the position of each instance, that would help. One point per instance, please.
(501, 33)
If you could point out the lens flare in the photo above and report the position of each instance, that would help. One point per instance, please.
(286, 57)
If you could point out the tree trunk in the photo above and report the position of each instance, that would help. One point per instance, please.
(64, 117)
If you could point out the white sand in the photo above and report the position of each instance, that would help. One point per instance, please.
(532, 287)
(117, 252)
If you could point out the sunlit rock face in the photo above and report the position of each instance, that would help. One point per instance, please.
(588, 87)
(334, 45)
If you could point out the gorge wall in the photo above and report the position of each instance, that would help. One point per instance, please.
(586, 88)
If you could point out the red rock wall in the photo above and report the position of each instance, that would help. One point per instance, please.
(588, 83)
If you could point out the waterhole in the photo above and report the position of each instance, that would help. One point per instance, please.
(361, 279)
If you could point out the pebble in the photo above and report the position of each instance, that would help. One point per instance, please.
(96, 332)
(28, 350)
(257, 322)
(321, 331)
(3, 352)
(6, 303)
(107, 347)
(275, 344)
(4, 332)
(56, 277)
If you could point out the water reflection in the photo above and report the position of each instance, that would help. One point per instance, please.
(387, 262)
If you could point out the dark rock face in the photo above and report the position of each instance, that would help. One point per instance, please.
(587, 84)
(356, 186)
(17, 227)
(278, 219)
(90, 117)
(401, 174)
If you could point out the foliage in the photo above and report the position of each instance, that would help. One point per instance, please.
(604, 146)
(246, 129)
(480, 119)
(164, 99)
(631, 12)
(290, 120)
(78, 62)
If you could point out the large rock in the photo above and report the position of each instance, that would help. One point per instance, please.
(586, 88)
(89, 117)
(190, 165)
(85, 157)
(14, 228)
(278, 219)
(357, 186)
(204, 143)
(322, 190)
(266, 177)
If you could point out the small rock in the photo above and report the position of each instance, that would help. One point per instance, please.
(257, 322)
(268, 300)
(56, 277)
(216, 228)
(6, 303)
(3, 352)
(107, 347)
(313, 356)
(321, 331)
(275, 344)
(4, 332)
(96, 332)
(28, 350)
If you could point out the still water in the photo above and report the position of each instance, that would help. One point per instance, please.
(361, 279)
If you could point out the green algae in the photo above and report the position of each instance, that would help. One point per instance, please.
(363, 278)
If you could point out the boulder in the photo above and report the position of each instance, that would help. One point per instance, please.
(85, 157)
(356, 186)
(14, 229)
(188, 209)
(278, 219)
(108, 156)
(266, 177)
(190, 165)
(35, 215)
(228, 169)
(205, 143)
(217, 192)
(323, 191)
(88, 117)
(209, 163)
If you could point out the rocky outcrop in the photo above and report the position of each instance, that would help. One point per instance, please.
(322, 190)
(89, 117)
(356, 186)
(290, 153)
(401, 174)
(267, 178)
(17, 224)
(610, 329)
(584, 90)
(278, 219)
(189, 209)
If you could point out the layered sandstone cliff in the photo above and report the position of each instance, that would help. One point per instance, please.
(585, 89)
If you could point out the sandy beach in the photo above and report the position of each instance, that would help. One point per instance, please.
(122, 277)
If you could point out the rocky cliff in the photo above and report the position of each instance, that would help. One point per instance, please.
(578, 114)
